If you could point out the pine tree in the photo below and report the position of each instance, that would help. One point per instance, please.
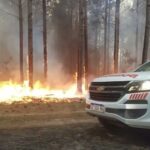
(45, 41)
(116, 44)
(30, 43)
(21, 40)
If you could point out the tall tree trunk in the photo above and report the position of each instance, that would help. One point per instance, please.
(147, 32)
(116, 42)
(108, 40)
(98, 57)
(85, 26)
(71, 55)
(80, 49)
(96, 54)
(83, 48)
(76, 41)
(99, 51)
(21, 41)
(45, 41)
(137, 31)
(105, 36)
(30, 43)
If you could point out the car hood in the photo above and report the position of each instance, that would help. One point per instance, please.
(132, 76)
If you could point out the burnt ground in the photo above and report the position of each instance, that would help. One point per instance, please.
(37, 128)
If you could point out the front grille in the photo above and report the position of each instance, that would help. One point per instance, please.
(112, 97)
(114, 83)
(107, 91)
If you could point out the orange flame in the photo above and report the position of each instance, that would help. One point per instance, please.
(10, 92)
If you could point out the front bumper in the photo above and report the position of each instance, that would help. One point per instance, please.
(133, 115)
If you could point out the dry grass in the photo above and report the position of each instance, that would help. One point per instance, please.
(38, 113)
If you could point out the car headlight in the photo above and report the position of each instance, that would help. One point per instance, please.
(139, 86)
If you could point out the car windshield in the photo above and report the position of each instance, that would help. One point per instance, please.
(144, 68)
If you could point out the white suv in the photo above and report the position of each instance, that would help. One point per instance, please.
(123, 97)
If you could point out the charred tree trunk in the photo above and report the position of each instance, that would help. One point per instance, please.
(30, 43)
(21, 41)
(85, 26)
(147, 32)
(45, 41)
(83, 48)
(105, 36)
(116, 38)
(80, 49)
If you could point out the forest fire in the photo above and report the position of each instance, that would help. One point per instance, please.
(12, 92)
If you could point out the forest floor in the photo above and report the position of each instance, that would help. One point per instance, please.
(61, 126)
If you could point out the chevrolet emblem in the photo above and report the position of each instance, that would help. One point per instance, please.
(100, 88)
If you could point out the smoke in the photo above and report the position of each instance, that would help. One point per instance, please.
(128, 24)
(9, 46)
(58, 77)
(61, 43)
(9, 61)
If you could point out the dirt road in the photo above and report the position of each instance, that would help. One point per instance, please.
(61, 126)
(77, 132)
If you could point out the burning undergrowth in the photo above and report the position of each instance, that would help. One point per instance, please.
(11, 92)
